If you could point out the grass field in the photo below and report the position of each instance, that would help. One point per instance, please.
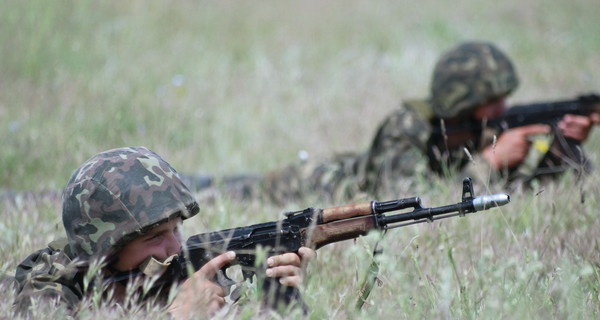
(240, 86)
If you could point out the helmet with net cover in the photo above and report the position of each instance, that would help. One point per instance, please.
(118, 195)
(469, 75)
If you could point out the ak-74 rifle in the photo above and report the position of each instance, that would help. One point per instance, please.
(527, 114)
(566, 150)
(316, 228)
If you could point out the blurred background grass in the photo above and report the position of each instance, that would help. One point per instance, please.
(239, 86)
(235, 86)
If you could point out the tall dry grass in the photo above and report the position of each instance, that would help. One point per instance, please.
(240, 86)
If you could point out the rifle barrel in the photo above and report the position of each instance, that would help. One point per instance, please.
(429, 214)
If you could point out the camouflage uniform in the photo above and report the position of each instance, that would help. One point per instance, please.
(114, 197)
(411, 143)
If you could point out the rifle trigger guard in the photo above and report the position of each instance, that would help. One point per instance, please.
(224, 281)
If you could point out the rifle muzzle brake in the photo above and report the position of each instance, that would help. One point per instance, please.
(490, 201)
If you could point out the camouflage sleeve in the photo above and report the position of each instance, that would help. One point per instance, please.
(331, 180)
(560, 154)
(479, 169)
(547, 159)
(339, 179)
(44, 277)
(397, 151)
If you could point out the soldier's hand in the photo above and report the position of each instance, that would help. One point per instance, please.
(199, 295)
(289, 266)
(512, 146)
(578, 127)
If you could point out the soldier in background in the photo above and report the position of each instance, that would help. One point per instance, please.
(470, 83)
(122, 210)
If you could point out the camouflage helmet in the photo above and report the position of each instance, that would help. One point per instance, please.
(469, 75)
(118, 195)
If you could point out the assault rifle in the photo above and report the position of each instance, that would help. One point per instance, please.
(316, 228)
(526, 114)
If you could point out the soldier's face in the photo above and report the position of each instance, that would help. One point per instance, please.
(160, 242)
(491, 109)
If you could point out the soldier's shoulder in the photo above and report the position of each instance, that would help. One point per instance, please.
(411, 111)
(45, 261)
(410, 122)
(47, 274)
(421, 107)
